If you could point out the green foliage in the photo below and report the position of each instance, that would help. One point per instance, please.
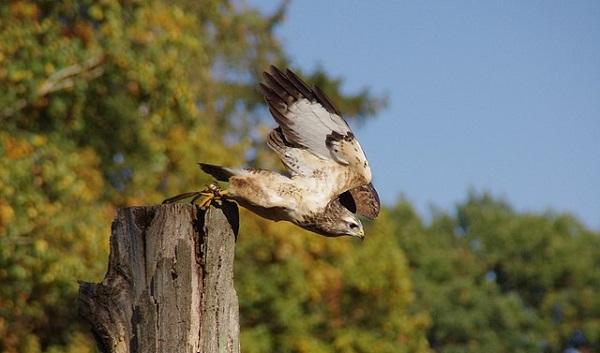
(495, 280)
(303, 293)
(111, 103)
(51, 229)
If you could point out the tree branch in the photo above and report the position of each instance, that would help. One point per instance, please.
(60, 80)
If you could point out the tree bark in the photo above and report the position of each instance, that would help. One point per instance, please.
(169, 285)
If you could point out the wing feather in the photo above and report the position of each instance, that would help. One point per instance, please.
(312, 136)
(300, 85)
(301, 111)
(366, 200)
(298, 161)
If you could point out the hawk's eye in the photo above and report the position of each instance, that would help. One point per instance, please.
(353, 225)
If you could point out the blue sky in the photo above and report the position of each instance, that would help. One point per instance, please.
(501, 96)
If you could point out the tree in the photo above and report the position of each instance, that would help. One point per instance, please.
(111, 103)
(496, 280)
(304, 293)
(108, 104)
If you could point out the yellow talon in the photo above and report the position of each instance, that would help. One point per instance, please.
(207, 196)
(206, 202)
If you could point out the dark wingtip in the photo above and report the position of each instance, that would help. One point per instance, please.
(275, 69)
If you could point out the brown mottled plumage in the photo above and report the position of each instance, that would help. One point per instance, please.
(329, 175)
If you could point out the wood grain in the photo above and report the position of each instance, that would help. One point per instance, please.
(169, 285)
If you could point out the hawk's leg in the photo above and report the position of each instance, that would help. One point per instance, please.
(212, 193)
(179, 197)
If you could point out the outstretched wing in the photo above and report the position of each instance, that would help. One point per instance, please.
(313, 137)
(301, 114)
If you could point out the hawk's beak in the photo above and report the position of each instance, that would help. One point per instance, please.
(361, 236)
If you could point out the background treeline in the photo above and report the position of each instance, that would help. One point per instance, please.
(105, 104)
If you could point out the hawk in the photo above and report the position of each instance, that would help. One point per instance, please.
(329, 178)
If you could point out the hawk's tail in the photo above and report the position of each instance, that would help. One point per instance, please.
(218, 172)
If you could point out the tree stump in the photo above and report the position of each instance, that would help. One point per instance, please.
(169, 285)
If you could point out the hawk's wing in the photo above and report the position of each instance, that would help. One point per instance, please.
(304, 119)
(313, 136)
(362, 200)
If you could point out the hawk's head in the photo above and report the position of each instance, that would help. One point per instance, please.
(351, 225)
(336, 221)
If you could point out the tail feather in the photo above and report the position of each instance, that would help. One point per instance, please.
(218, 172)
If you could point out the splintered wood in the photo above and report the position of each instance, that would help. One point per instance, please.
(169, 285)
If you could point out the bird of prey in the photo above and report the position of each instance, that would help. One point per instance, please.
(329, 178)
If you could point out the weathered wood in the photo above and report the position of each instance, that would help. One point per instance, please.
(169, 285)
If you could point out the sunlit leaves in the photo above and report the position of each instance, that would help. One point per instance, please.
(326, 295)
(112, 103)
(51, 231)
(496, 280)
